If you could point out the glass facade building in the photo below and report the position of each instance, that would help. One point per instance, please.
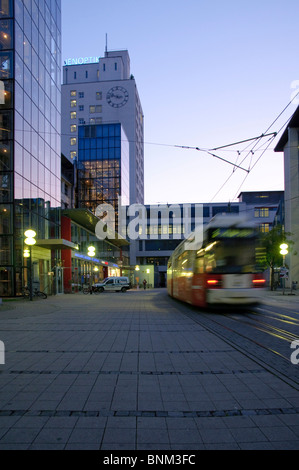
(103, 166)
(30, 148)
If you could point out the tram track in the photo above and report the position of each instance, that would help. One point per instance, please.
(231, 328)
(278, 317)
(265, 327)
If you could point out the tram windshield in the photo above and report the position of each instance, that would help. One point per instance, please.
(233, 255)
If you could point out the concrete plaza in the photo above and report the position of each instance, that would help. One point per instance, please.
(132, 372)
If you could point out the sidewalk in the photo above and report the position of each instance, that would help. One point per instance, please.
(130, 372)
(277, 296)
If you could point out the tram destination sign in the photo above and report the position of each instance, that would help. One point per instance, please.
(233, 233)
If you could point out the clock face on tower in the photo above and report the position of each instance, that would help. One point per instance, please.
(117, 96)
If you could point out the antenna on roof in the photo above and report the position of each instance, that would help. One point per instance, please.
(106, 48)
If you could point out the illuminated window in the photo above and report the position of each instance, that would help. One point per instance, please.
(74, 128)
(98, 95)
(73, 155)
(264, 228)
(261, 212)
(73, 141)
(73, 93)
(73, 103)
(73, 115)
(92, 109)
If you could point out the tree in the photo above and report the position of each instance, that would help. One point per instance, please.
(271, 242)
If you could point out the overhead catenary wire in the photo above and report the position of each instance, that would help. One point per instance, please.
(271, 140)
(249, 152)
(222, 148)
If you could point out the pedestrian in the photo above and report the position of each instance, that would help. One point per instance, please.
(144, 284)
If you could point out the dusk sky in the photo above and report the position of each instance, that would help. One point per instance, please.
(209, 73)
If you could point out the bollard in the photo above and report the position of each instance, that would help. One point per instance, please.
(2, 353)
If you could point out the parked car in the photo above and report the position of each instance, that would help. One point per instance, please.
(113, 284)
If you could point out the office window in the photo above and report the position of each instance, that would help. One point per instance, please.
(261, 212)
(73, 93)
(73, 115)
(81, 94)
(265, 228)
(73, 155)
(115, 66)
(73, 103)
(73, 141)
(81, 121)
(99, 95)
(95, 109)
(86, 74)
(75, 75)
(74, 128)
(81, 107)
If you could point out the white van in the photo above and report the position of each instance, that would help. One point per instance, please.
(113, 284)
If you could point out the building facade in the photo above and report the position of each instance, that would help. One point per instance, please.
(30, 145)
(102, 91)
(103, 166)
(289, 145)
(81, 267)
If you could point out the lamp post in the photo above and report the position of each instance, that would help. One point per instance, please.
(283, 251)
(148, 277)
(137, 277)
(29, 241)
(91, 252)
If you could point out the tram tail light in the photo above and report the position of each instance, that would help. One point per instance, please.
(216, 283)
(258, 282)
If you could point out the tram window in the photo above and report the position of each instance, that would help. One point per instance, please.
(199, 265)
(229, 257)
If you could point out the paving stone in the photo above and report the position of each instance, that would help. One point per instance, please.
(134, 374)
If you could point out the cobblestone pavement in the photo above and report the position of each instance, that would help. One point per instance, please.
(133, 372)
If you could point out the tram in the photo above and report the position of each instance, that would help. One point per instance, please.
(224, 267)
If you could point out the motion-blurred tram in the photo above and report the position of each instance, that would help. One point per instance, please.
(222, 266)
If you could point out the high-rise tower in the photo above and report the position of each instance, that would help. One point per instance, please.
(98, 91)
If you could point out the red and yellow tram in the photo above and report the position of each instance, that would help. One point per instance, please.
(223, 268)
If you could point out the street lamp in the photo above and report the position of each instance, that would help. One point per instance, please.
(91, 252)
(148, 277)
(284, 251)
(29, 241)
